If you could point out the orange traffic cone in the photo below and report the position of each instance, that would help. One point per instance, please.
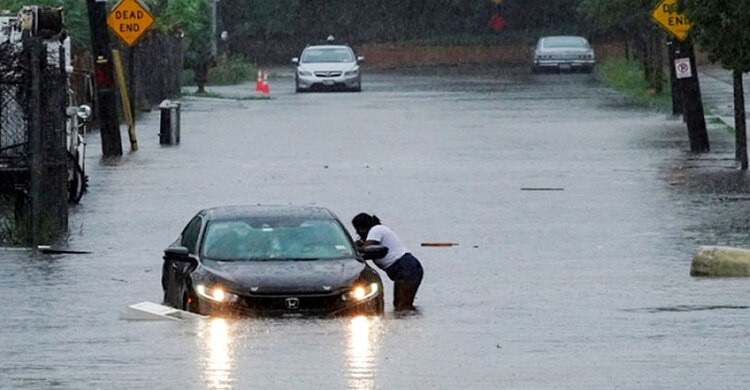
(259, 82)
(265, 89)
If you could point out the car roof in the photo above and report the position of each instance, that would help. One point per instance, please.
(554, 37)
(328, 47)
(261, 211)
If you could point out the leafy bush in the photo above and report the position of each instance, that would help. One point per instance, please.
(226, 72)
(231, 71)
(187, 78)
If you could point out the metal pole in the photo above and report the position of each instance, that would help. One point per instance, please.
(676, 92)
(212, 4)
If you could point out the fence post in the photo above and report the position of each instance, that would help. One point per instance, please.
(46, 136)
(33, 50)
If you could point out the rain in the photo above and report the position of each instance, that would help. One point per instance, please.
(572, 212)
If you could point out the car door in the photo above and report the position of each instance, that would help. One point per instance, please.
(176, 269)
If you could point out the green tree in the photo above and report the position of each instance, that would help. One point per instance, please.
(191, 19)
(720, 27)
(632, 18)
(75, 17)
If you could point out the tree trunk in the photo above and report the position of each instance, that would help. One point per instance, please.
(739, 121)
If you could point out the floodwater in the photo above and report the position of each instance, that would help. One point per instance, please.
(575, 215)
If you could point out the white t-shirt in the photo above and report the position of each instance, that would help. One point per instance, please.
(389, 239)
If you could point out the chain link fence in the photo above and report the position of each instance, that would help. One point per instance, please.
(13, 146)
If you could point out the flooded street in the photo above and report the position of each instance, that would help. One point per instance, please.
(574, 212)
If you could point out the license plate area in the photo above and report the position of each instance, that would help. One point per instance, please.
(328, 82)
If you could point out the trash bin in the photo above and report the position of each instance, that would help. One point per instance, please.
(169, 132)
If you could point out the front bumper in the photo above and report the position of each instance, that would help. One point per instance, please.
(340, 82)
(290, 305)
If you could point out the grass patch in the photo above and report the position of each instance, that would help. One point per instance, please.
(206, 94)
(628, 78)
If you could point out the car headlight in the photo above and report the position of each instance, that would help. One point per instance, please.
(303, 72)
(352, 72)
(361, 292)
(215, 293)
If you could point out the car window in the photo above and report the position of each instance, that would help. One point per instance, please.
(261, 240)
(332, 54)
(189, 237)
(565, 42)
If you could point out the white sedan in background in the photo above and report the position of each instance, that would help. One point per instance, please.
(328, 67)
(563, 53)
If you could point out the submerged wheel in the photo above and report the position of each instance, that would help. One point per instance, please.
(78, 184)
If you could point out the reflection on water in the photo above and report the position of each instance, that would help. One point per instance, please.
(216, 345)
(362, 341)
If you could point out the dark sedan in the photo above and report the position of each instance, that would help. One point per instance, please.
(270, 260)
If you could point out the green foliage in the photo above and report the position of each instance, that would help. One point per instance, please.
(75, 16)
(190, 17)
(187, 77)
(226, 72)
(720, 27)
(618, 14)
(231, 71)
(628, 78)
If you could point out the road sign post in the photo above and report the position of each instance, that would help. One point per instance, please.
(684, 73)
(129, 20)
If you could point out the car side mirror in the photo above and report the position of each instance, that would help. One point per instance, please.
(179, 253)
(360, 59)
(372, 252)
(295, 60)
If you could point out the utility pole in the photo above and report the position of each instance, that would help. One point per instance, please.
(692, 103)
(685, 73)
(212, 5)
(677, 108)
(104, 76)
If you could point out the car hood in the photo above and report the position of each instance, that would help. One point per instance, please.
(328, 66)
(267, 277)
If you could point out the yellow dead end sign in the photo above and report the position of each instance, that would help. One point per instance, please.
(665, 14)
(129, 19)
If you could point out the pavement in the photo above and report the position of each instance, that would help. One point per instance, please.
(717, 92)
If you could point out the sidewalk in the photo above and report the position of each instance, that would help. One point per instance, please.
(717, 92)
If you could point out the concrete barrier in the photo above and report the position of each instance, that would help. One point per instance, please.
(720, 261)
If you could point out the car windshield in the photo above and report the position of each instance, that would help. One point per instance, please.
(565, 42)
(329, 54)
(241, 240)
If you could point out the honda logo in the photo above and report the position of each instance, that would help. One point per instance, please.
(292, 303)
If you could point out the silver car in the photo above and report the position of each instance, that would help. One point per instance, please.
(563, 53)
(328, 67)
